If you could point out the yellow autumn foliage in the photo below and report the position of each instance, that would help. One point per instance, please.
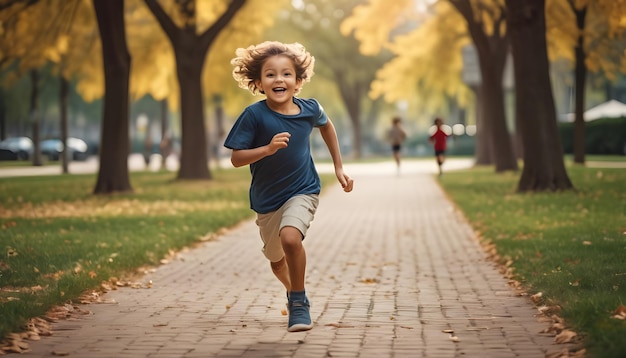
(372, 23)
(428, 64)
(66, 34)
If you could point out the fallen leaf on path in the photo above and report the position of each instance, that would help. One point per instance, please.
(369, 280)
(555, 328)
(567, 353)
(339, 325)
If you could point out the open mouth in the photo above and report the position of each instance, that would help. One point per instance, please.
(279, 89)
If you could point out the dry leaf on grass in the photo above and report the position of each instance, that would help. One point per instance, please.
(620, 313)
(536, 298)
(566, 336)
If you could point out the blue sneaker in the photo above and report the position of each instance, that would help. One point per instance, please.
(299, 316)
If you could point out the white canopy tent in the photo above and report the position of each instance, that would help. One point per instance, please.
(610, 109)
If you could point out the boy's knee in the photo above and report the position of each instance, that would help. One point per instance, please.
(290, 238)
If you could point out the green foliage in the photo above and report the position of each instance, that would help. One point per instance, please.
(602, 136)
(569, 245)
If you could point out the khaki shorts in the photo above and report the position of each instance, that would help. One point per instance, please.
(297, 212)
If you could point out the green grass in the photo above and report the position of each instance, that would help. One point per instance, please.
(58, 240)
(571, 246)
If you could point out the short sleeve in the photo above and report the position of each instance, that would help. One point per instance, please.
(241, 135)
(321, 118)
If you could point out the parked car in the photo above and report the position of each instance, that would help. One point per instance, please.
(16, 148)
(52, 148)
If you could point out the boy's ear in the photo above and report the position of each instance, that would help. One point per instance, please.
(257, 83)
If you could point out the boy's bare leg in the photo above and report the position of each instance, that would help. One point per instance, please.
(281, 271)
(291, 239)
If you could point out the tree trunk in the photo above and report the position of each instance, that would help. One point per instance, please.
(493, 111)
(194, 160)
(544, 168)
(580, 76)
(113, 174)
(34, 117)
(166, 138)
(63, 97)
(483, 148)
(3, 115)
(354, 111)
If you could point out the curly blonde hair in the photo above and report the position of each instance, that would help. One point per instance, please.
(249, 62)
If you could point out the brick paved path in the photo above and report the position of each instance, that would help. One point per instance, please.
(390, 267)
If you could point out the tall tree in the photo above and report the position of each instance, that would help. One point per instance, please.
(190, 50)
(114, 145)
(485, 24)
(337, 58)
(544, 168)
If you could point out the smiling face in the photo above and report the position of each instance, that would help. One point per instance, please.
(278, 81)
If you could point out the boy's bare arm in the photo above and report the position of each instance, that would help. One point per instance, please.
(330, 138)
(241, 157)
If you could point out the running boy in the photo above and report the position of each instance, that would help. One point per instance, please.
(396, 137)
(438, 140)
(272, 136)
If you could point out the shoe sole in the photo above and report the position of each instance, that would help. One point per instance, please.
(299, 327)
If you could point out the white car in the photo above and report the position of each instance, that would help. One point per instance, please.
(20, 148)
(52, 148)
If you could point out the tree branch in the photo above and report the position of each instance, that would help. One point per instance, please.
(5, 4)
(164, 20)
(207, 37)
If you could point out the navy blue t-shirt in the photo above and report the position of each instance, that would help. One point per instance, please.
(288, 172)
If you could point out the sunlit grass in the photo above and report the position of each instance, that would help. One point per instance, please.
(571, 246)
(59, 240)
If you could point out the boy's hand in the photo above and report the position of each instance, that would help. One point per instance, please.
(279, 141)
(346, 182)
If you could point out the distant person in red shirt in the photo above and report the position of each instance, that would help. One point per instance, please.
(438, 140)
